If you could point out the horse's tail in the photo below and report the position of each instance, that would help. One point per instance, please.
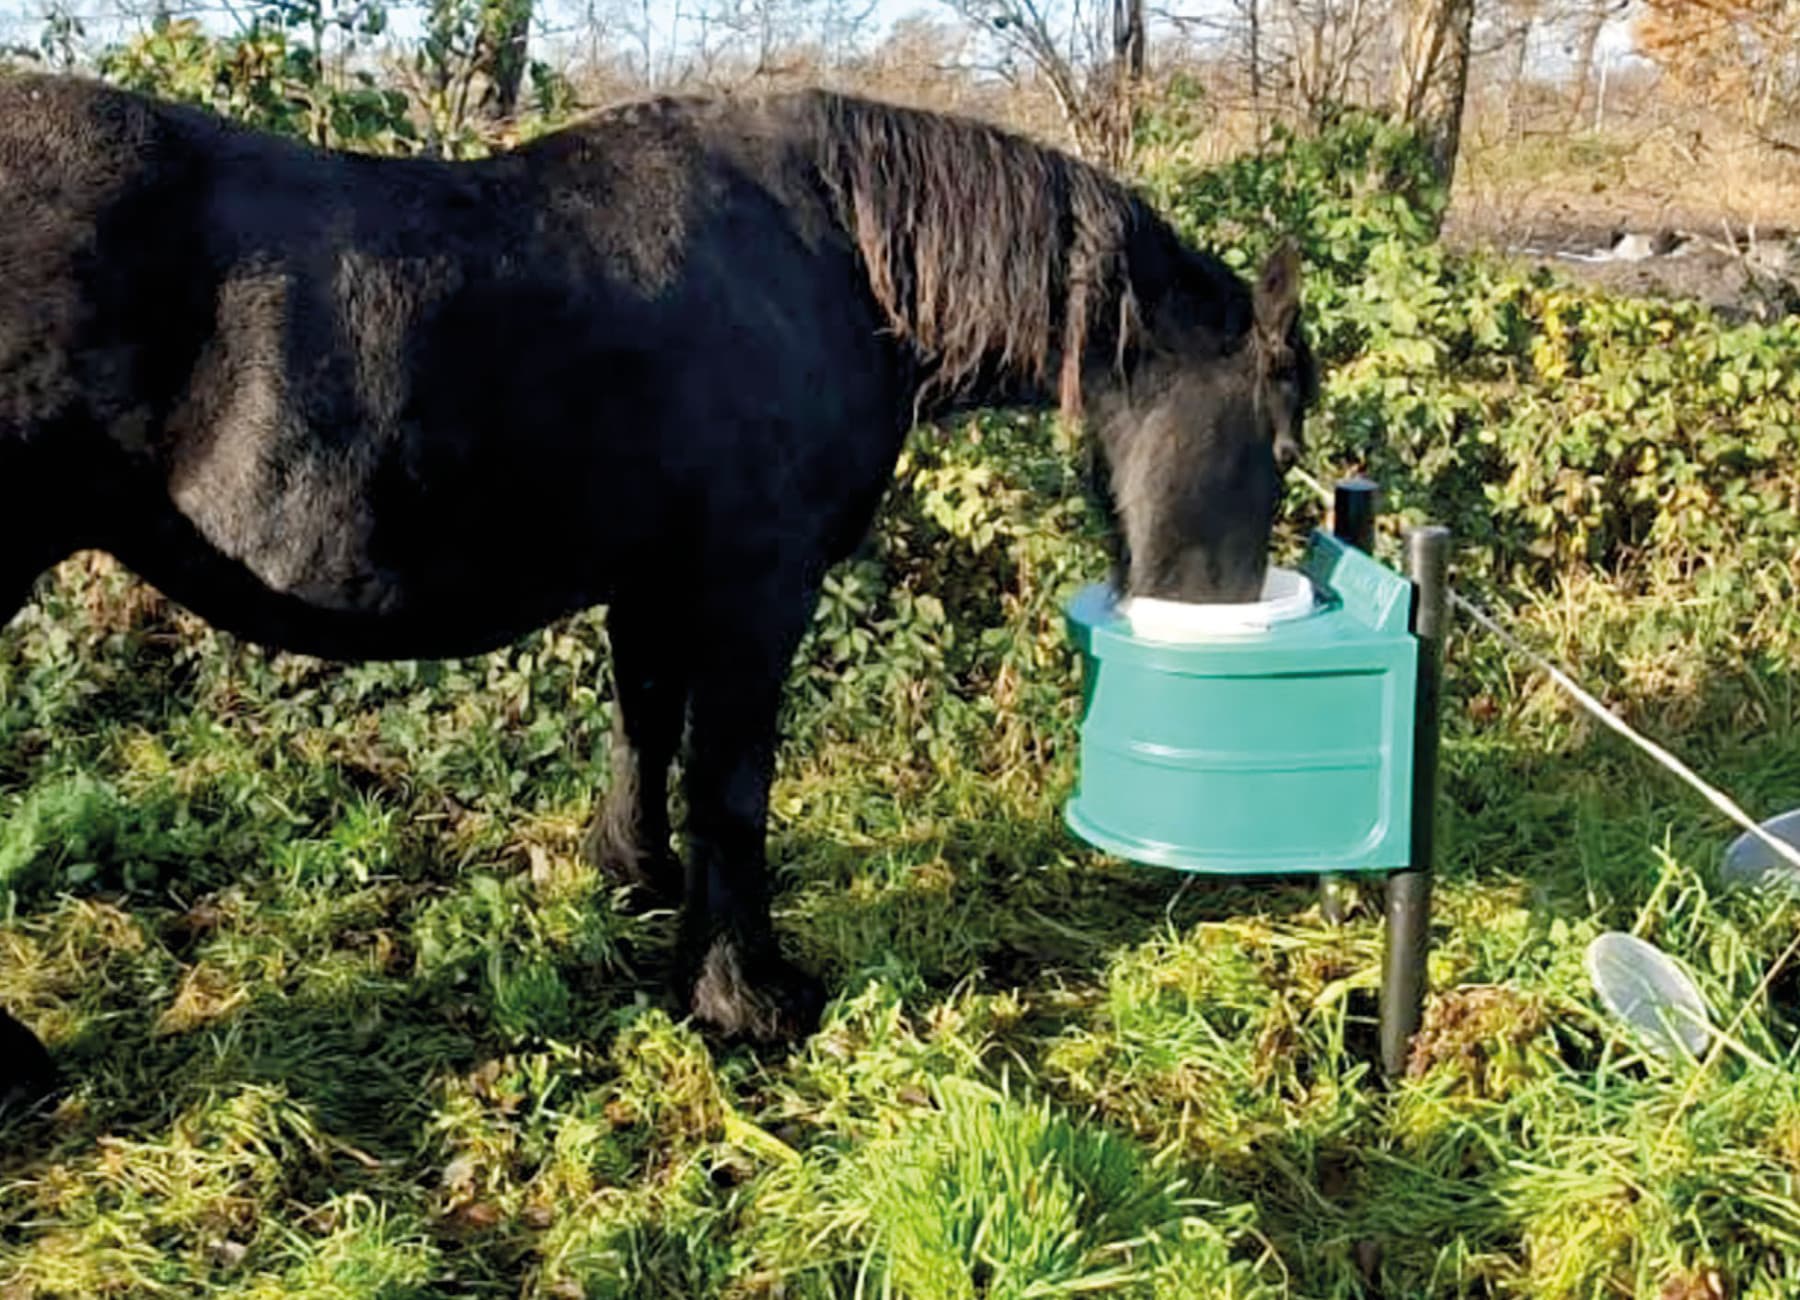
(983, 249)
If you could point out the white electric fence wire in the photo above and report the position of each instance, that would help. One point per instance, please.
(1717, 798)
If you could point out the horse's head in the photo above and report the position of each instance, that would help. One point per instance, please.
(1195, 449)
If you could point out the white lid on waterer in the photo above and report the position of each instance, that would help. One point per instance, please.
(1287, 594)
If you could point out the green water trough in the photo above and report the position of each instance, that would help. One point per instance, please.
(1304, 744)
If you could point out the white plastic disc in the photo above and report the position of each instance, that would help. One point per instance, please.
(1648, 990)
(1287, 594)
(1750, 862)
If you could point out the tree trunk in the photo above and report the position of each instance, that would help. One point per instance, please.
(1256, 95)
(1433, 75)
(1124, 80)
(505, 26)
(1584, 60)
(1128, 38)
(1515, 82)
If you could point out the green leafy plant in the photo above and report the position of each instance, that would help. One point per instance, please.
(345, 1012)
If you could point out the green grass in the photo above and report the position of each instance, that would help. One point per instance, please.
(347, 1016)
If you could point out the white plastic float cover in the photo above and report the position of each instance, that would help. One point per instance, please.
(1751, 862)
(1647, 989)
(1287, 594)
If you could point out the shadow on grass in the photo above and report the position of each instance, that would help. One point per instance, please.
(1538, 847)
(1008, 902)
(1010, 905)
(358, 1040)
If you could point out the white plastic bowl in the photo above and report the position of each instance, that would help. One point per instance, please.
(1648, 990)
(1750, 862)
(1287, 594)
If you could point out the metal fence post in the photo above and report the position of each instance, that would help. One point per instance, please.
(1409, 891)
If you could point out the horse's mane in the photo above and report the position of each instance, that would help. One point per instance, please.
(985, 249)
(991, 256)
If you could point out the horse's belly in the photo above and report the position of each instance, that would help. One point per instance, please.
(343, 576)
(378, 616)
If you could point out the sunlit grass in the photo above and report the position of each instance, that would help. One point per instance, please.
(345, 1014)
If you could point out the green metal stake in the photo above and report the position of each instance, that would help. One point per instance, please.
(1353, 508)
(1409, 891)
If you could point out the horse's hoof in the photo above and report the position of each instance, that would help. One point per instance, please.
(651, 880)
(752, 996)
(27, 1075)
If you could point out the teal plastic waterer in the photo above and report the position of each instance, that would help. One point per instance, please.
(1300, 740)
(1301, 744)
(1283, 749)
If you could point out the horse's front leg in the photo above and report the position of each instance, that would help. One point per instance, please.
(26, 1072)
(629, 841)
(729, 965)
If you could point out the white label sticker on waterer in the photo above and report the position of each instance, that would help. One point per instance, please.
(1287, 594)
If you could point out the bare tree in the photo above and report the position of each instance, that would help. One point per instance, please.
(1590, 18)
(1330, 49)
(470, 66)
(646, 39)
(1736, 54)
(842, 25)
(924, 60)
(1512, 23)
(500, 52)
(726, 43)
(1092, 53)
(1432, 77)
(1253, 13)
(1297, 57)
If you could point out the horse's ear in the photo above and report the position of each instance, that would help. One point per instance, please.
(1278, 292)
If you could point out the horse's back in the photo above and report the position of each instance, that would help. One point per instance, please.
(429, 392)
(69, 131)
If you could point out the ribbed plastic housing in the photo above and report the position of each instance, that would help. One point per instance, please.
(1287, 750)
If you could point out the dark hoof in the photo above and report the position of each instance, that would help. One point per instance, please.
(753, 996)
(26, 1073)
(652, 879)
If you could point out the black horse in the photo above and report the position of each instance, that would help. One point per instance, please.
(662, 360)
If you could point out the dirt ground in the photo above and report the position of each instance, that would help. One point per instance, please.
(1744, 273)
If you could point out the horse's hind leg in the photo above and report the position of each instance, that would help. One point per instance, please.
(730, 968)
(629, 841)
(26, 1072)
